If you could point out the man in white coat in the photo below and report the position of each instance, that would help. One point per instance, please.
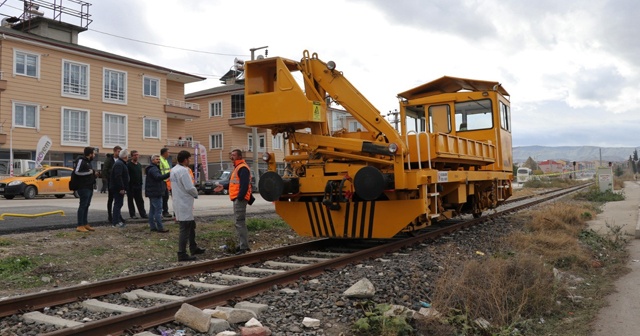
(184, 193)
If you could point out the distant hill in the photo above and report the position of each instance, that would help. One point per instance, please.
(572, 153)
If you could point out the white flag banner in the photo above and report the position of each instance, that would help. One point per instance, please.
(203, 161)
(44, 144)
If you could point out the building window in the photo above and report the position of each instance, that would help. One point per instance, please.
(152, 128)
(353, 126)
(237, 106)
(215, 108)
(216, 141)
(25, 115)
(278, 142)
(114, 130)
(262, 142)
(115, 86)
(75, 127)
(151, 87)
(26, 64)
(75, 80)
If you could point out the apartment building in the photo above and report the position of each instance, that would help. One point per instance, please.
(79, 96)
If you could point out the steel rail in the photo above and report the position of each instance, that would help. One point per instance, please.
(147, 318)
(35, 301)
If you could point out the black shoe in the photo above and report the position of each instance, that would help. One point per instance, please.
(198, 250)
(243, 251)
(166, 214)
(154, 230)
(165, 231)
(185, 257)
(133, 217)
(144, 217)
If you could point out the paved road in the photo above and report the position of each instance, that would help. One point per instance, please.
(205, 205)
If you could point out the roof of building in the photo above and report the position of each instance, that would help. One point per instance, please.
(216, 90)
(173, 75)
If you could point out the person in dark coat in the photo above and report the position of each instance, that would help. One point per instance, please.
(107, 169)
(119, 185)
(154, 188)
(135, 187)
(83, 171)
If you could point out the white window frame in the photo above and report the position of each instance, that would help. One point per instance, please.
(144, 86)
(121, 98)
(277, 141)
(25, 105)
(262, 137)
(158, 128)
(215, 111)
(211, 140)
(18, 53)
(106, 130)
(87, 117)
(66, 85)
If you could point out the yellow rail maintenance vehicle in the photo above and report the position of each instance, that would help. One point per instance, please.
(451, 155)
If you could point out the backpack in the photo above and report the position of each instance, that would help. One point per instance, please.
(74, 182)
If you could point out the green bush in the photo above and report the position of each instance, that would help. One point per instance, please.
(593, 194)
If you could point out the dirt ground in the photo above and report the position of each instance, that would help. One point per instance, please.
(51, 259)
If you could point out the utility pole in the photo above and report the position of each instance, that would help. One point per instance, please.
(254, 133)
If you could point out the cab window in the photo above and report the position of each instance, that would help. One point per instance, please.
(474, 115)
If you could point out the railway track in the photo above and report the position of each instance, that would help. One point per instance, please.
(267, 269)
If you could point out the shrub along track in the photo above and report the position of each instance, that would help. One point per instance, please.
(163, 313)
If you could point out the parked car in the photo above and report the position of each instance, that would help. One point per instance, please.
(222, 179)
(38, 181)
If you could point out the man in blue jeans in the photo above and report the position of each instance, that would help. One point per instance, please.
(154, 188)
(86, 178)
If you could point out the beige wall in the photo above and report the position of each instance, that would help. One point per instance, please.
(46, 92)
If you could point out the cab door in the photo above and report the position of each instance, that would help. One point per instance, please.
(44, 182)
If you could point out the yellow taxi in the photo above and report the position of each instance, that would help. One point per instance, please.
(38, 181)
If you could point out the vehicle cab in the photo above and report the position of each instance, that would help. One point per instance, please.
(38, 181)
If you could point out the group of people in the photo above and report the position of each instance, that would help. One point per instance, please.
(124, 177)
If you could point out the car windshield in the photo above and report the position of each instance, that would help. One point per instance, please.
(223, 175)
(32, 172)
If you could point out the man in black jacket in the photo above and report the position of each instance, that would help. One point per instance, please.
(86, 178)
(154, 188)
(118, 186)
(135, 187)
(106, 170)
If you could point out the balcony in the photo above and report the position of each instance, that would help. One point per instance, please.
(176, 145)
(179, 109)
(237, 119)
(3, 82)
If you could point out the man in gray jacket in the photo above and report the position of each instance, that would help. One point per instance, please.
(183, 194)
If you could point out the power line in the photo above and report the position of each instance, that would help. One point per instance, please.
(166, 46)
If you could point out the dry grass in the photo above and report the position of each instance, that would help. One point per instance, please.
(516, 288)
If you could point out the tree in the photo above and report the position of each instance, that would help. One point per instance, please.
(531, 164)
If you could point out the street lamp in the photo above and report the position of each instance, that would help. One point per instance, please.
(254, 133)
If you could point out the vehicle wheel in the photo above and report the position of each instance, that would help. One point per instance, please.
(477, 214)
(208, 192)
(225, 191)
(60, 196)
(9, 196)
(75, 194)
(30, 192)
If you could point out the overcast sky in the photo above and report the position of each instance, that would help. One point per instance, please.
(571, 67)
